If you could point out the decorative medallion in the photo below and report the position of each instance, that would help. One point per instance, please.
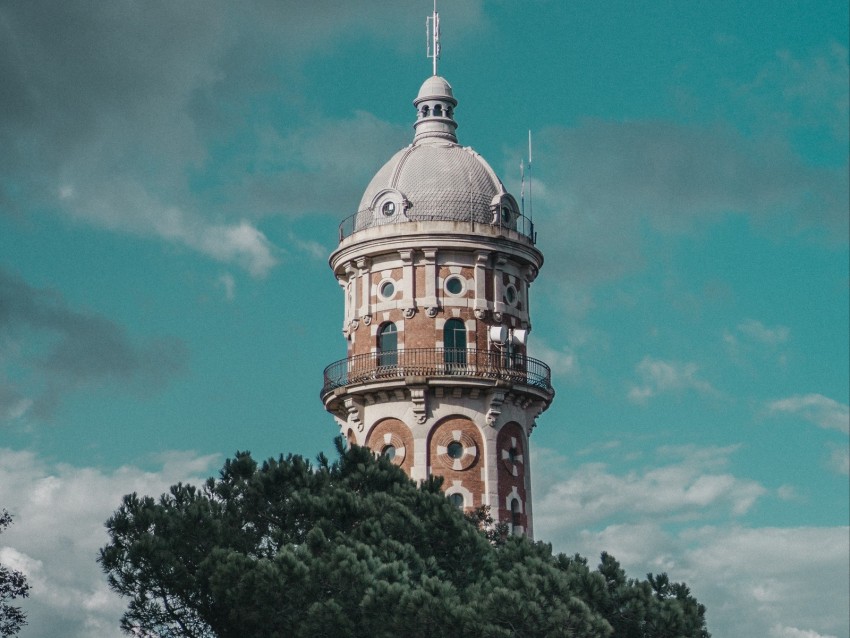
(456, 450)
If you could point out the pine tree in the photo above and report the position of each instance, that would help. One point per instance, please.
(352, 549)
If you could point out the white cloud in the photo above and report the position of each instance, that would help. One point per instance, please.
(658, 376)
(757, 331)
(839, 460)
(239, 243)
(781, 631)
(227, 282)
(562, 361)
(313, 248)
(58, 526)
(677, 484)
(816, 408)
(753, 580)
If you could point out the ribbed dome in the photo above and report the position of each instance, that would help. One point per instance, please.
(436, 179)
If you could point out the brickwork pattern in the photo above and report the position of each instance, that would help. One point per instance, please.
(393, 432)
(511, 453)
(469, 475)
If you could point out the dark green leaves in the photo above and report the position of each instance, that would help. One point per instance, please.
(355, 549)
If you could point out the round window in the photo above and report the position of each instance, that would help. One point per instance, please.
(510, 295)
(456, 500)
(388, 209)
(388, 452)
(454, 449)
(454, 285)
(387, 289)
(506, 215)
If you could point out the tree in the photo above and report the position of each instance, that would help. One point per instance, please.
(353, 549)
(13, 584)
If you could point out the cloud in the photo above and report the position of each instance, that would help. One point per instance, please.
(657, 376)
(750, 341)
(781, 631)
(839, 460)
(562, 361)
(801, 93)
(59, 513)
(607, 183)
(228, 283)
(757, 331)
(317, 165)
(682, 512)
(759, 581)
(139, 119)
(51, 349)
(815, 408)
(678, 484)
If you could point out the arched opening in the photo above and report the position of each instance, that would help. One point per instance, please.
(516, 517)
(454, 344)
(438, 110)
(388, 344)
(457, 500)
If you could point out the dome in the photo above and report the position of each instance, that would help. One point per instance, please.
(432, 179)
(435, 87)
(435, 178)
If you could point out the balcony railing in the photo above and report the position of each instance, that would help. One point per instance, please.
(439, 362)
(367, 218)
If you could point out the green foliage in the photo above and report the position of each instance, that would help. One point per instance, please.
(354, 549)
(13, 584)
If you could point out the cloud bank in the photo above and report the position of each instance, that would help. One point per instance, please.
(50, 350)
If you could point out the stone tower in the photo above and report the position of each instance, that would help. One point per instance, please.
(435, 268)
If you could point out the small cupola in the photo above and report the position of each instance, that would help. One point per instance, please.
(435, 107)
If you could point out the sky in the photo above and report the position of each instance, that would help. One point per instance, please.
(172, 175)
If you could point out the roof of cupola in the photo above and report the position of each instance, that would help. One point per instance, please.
(434, 177)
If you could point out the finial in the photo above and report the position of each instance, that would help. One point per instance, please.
(432, 36)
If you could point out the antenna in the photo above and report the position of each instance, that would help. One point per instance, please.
(522, 186)
(432, 36)
(530, 204)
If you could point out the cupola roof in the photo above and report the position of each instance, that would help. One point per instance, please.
(434, 178)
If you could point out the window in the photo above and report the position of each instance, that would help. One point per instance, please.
(454, 344)
(457, 500)
(455, 449)
(386, 289)
(516, 517)
(511, 294)
(506, 215)
(388, 345)
(454, 285)
(388, 209)
(388, 452)
(438, 110)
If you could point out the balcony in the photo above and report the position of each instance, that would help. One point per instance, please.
(457, 364)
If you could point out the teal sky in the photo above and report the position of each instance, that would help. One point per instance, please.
(171, 180)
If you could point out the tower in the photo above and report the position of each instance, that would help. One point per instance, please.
(436, 267)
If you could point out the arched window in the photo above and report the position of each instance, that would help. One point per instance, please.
(454, 344)
(438, 110)
(516, 519)
(388, 345)
(425, 111)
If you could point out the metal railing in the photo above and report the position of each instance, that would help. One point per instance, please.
(367, 218)
(441, 362)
